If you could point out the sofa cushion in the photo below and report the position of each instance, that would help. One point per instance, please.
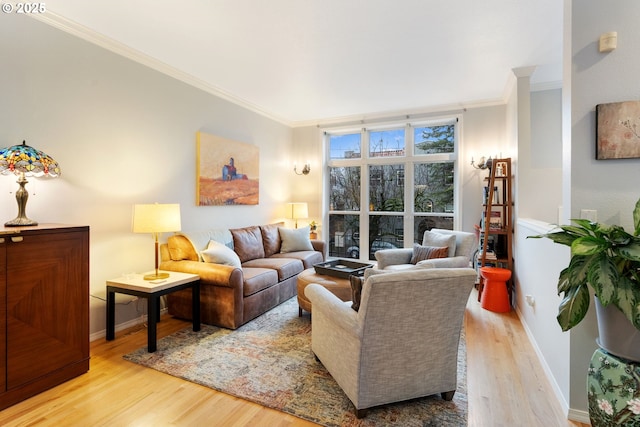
(421, 253)
(220, 254)
(271, 238)
(431, 238)
(257, 279)
(308, 258)
(247, 242)
(295, 239)
(286, 267)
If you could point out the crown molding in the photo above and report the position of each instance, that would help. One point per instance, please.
(71, 27)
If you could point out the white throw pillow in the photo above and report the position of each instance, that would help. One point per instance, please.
(295, 239)
(436, 239)
(220, 254)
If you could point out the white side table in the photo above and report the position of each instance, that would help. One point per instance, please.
(152, 290)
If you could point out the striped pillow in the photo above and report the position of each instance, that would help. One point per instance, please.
(420, 253)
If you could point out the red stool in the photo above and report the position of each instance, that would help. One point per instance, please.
(495, 296)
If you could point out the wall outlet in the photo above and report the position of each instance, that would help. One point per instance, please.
(590, 214)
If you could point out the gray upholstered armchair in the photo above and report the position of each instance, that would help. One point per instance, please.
(462, 246)
(403, 341)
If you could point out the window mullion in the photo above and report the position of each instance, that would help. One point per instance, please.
(409, 208)
(364, 194)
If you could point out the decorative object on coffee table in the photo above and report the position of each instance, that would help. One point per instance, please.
(341, 268)
(24, 160)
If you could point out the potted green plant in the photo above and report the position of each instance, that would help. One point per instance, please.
(313, 226)
(605, 258)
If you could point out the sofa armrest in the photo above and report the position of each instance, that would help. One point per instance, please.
(320, 246)
(387, 257)
(210, 273)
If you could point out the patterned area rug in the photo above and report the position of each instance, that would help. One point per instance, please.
(269, 361)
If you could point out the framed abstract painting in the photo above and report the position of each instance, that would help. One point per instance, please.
(227, 171)
(618, 130)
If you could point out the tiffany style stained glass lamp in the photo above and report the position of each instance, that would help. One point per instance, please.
(23, 160)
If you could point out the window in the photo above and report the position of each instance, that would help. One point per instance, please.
(404, 184)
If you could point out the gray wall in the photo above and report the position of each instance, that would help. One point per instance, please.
(123, 134)
(608, 186)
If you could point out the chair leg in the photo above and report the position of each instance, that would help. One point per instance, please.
(360, 413)
(448, 395)
(299, 311)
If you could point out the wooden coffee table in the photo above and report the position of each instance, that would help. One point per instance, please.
(336, 285)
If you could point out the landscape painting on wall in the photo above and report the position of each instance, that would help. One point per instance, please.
(227, 171)
(618, 130)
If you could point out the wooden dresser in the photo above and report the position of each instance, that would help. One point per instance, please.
(44, 308)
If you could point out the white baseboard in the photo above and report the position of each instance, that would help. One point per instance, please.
(580, 416)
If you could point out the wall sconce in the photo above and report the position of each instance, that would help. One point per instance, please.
(482, 164)
(305, 170)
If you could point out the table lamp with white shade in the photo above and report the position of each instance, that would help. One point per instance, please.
(155, 219)
(297, 211)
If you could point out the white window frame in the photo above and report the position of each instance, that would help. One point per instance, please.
(408, 160)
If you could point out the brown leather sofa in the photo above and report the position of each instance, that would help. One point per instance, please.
(230, 296)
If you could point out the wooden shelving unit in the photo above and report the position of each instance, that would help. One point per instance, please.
(496, 230)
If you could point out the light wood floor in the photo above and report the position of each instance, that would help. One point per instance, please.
(506, 387)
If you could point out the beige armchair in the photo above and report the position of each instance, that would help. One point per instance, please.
(403, 341)
(464, 246)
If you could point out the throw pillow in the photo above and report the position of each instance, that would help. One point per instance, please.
(439, 240)
(295, 239)
(271, 238)
(421, 253)
(220, 254)
(356, 291)
(247, 242)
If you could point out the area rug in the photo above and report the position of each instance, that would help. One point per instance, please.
(269, 361)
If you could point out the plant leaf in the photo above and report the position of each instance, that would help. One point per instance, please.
(564, 284)
(603, 277)
(578, 270)
(628, 297)
(588, 245)
(560, 237)
(636, 218)
(573, 307)
(630, 251)
(584, 226)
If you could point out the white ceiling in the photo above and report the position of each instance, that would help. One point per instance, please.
(311, 61)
